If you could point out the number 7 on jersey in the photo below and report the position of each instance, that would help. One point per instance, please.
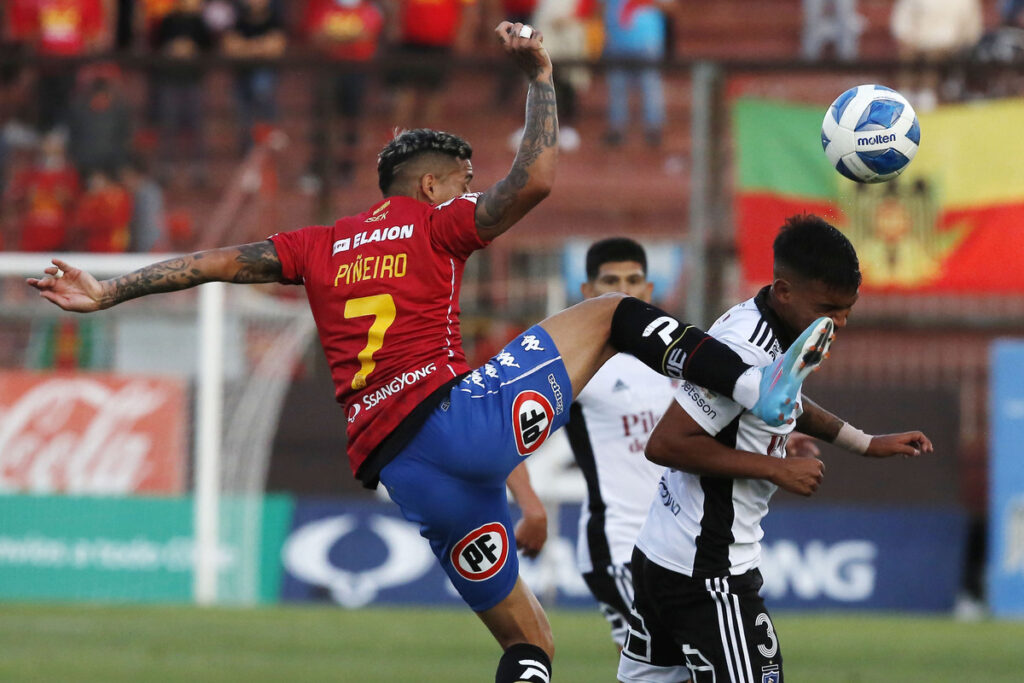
(382, 308)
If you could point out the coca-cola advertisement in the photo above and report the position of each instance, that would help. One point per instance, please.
(91, 434)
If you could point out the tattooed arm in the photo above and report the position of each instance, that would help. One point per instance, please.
(533, 171)
(75, 290)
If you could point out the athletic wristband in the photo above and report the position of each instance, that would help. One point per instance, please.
(852, 439)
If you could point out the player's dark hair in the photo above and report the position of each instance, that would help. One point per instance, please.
(812, 248)
(411, 143)
(614, 250)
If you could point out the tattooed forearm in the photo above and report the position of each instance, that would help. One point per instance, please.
(540, 135)
(247, 263)
(166, 276)
(257, 262)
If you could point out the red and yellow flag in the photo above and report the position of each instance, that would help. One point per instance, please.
(953, 222)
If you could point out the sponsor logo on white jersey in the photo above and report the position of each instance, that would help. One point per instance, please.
(481, 553)
(702, 400)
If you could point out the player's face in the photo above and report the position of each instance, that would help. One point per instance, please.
(626, 277)
(454, 182)
(804, 301)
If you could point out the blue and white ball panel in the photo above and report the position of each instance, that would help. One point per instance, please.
(870, 133)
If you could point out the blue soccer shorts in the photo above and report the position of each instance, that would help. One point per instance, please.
(450, 479)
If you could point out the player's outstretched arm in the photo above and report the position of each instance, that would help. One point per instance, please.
(533, 172)
(680, 443)
(818, 422)
(76, 290)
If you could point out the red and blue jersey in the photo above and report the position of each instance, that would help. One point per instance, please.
(384, 287)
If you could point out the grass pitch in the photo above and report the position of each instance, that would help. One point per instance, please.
(90, 643)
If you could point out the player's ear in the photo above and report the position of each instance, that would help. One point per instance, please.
(782, 289)
(428, 185)
(587, 289)
(648, 292)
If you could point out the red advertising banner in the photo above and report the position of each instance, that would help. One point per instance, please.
(91, 434)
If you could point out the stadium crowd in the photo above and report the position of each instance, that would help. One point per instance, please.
(89, 148)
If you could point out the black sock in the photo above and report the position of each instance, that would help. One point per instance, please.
(523, 663)
(673, 348)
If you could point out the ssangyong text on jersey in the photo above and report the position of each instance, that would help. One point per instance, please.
(397, 384)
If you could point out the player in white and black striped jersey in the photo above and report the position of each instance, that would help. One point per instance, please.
(697, 609)
(608, 428)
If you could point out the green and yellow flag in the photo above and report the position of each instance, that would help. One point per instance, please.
(953, 222)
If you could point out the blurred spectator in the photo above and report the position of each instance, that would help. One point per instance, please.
(128, 21)
(103, 216)
(345, 31)
(999, 54)
(147, 17)
(1010, 9)
(929, 32)
(43, 197)
(258, 33)
(565, 39)
(510, 81)
(59, 28)
(100, 123)
(834, 22)
(634, 29)
(148, 224)
(182, 36)
(219, 16)
(429, 33)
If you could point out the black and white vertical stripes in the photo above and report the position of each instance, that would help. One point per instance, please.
(730, 627)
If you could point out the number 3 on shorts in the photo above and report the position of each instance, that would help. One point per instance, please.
(382, 308)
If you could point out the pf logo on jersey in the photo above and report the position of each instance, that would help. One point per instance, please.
(531, 418)
(481, 553)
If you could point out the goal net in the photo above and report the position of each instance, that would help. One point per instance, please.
(135, 442)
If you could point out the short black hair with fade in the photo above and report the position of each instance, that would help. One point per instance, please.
(614, 250)
(411, 143)
(812, 248)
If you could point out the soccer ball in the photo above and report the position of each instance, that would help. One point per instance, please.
(870, 133)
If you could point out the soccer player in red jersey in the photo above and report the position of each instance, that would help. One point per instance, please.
(383, 287)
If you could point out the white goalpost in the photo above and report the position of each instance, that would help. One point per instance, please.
(240, 344)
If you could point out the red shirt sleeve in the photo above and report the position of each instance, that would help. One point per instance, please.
(292, 248)
(453, 226)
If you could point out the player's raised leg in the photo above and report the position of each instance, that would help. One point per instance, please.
(592, 331)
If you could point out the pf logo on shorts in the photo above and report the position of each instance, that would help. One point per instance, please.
(531, 417)
(481, 553)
